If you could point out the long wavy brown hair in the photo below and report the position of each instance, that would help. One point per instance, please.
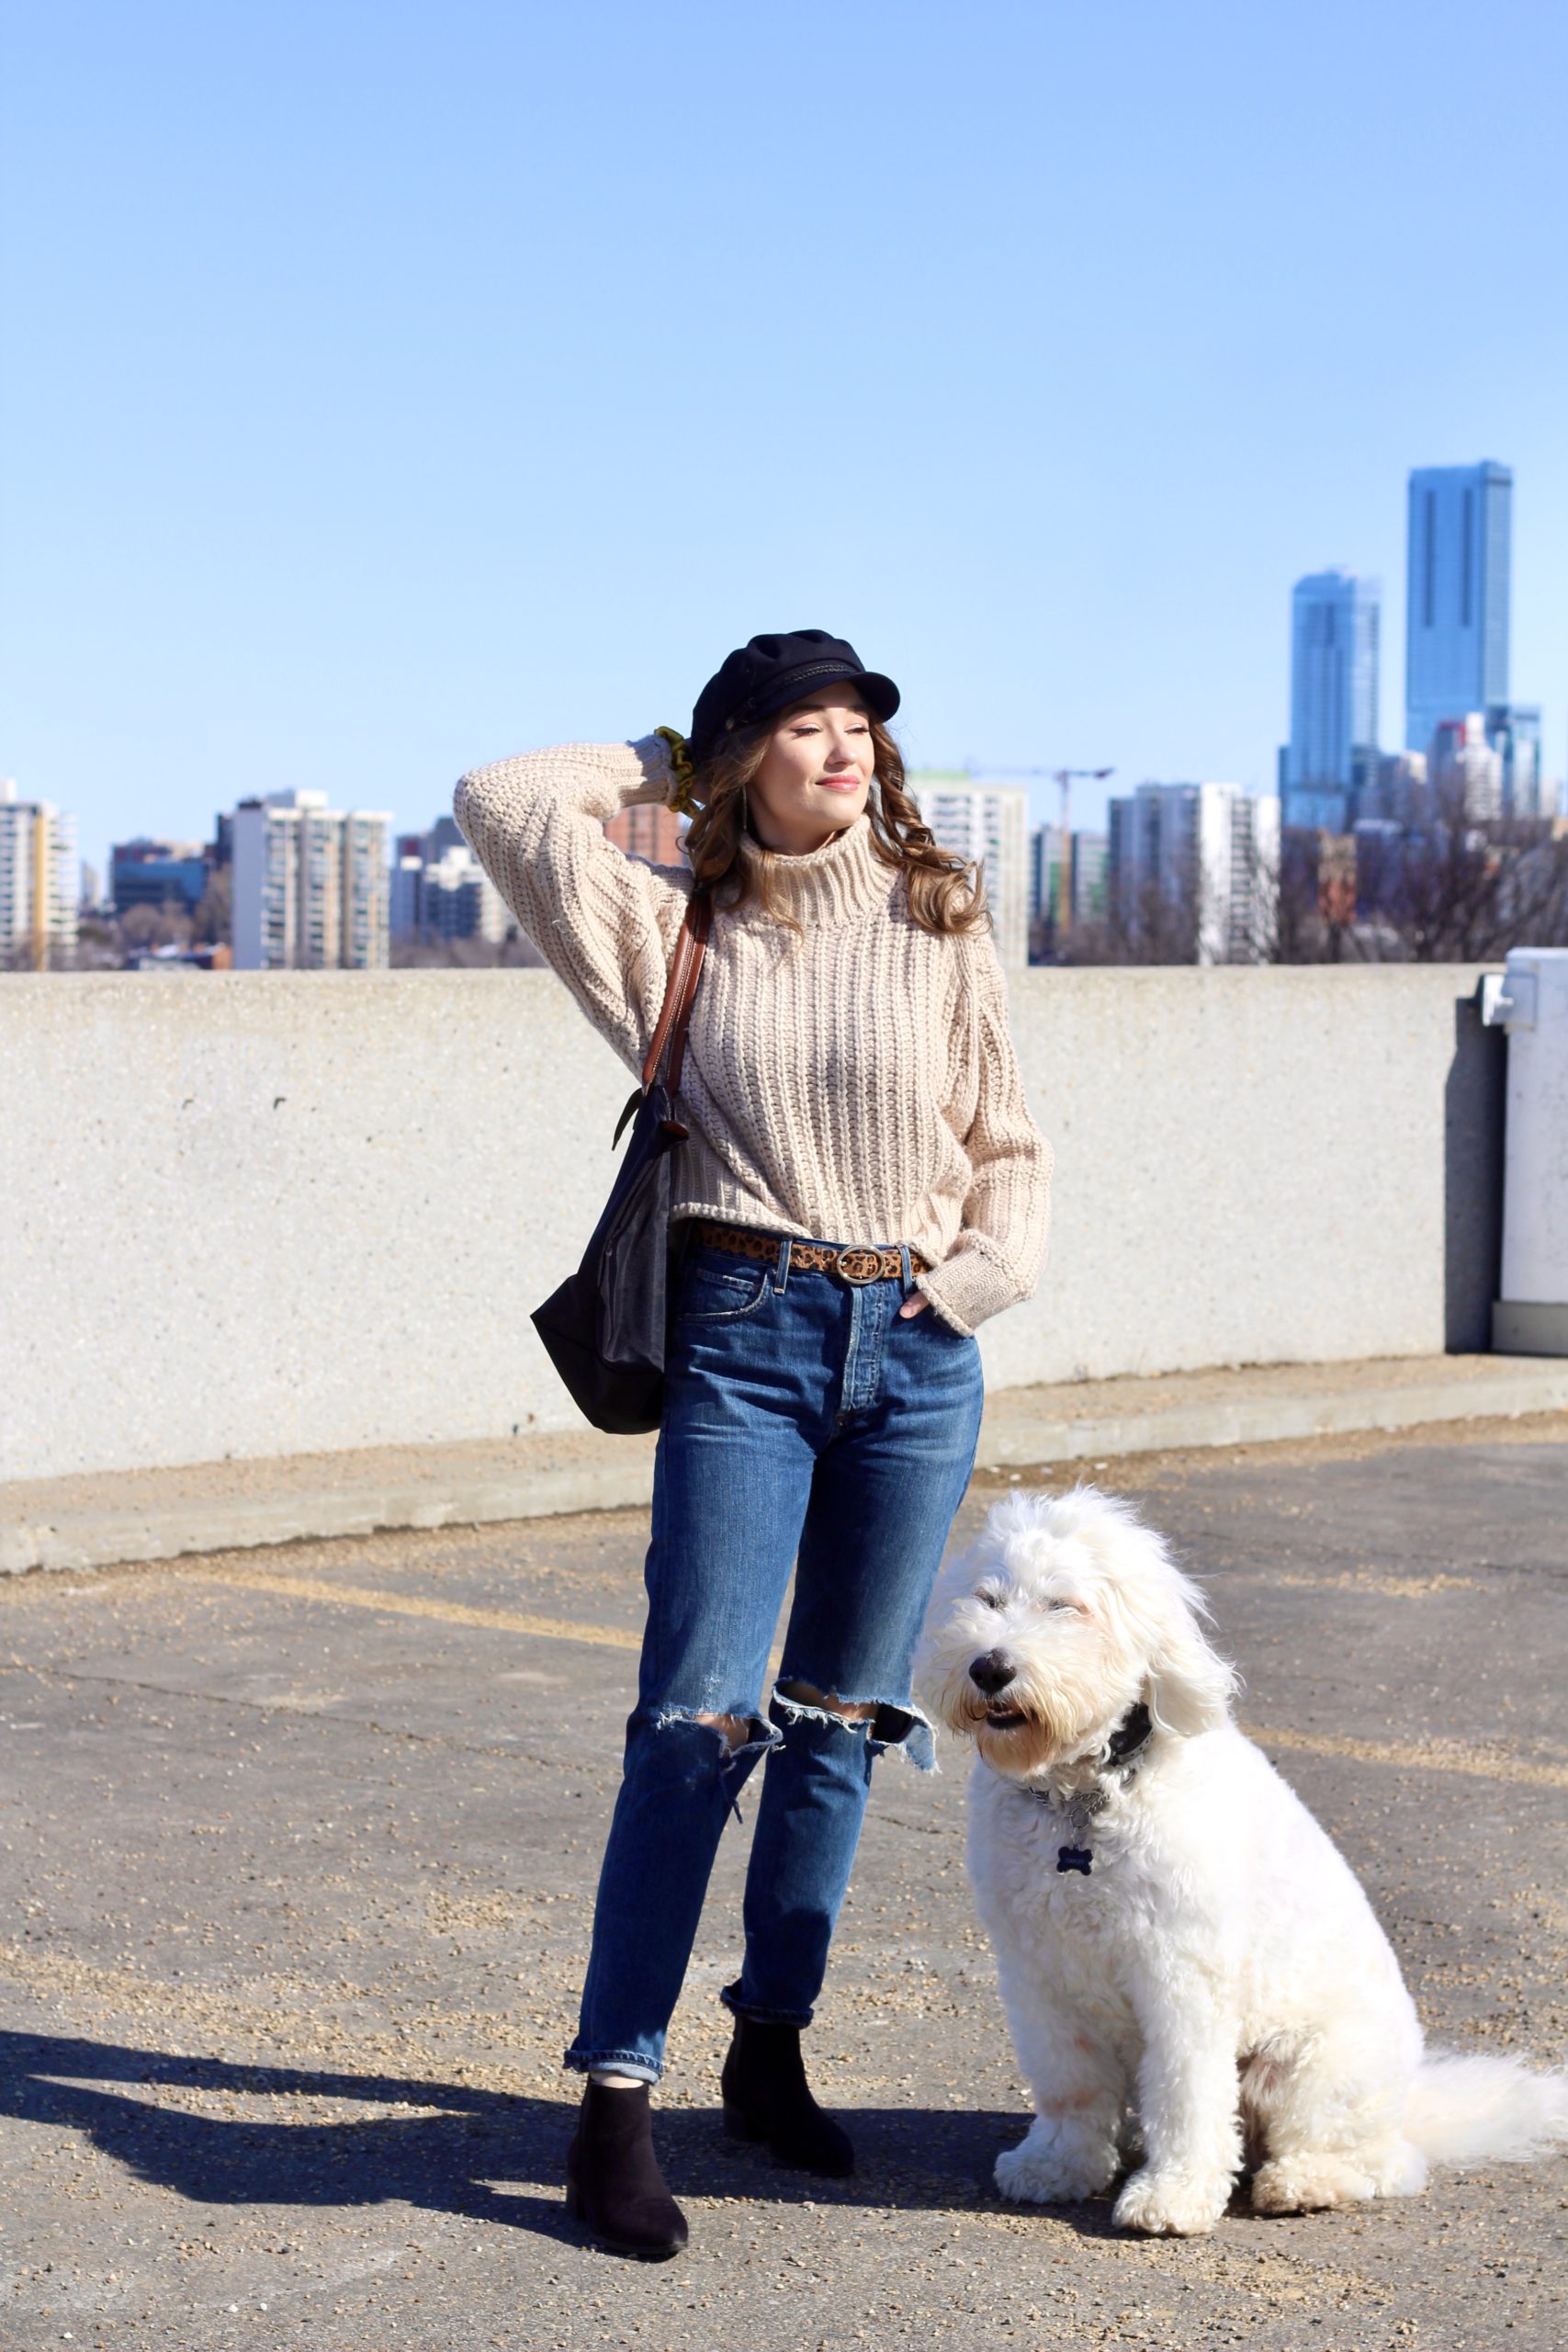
(944, 891)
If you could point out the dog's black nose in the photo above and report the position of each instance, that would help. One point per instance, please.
(992, 1671)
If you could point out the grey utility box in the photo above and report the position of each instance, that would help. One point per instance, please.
(1530, 1000)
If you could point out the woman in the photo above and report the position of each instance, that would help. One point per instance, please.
(862, 1187)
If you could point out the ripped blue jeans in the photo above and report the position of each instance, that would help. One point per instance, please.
(806, 1426)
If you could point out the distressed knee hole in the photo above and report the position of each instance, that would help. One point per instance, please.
(734, 1730)
(849, 1710)
(903, 1729)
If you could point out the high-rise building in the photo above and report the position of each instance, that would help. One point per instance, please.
(38, 880)
(1192, 872)
(460, 901)
(1513, 730)
(405, 901)
(1332, 754)
(988, 825)
(310, 885)
(1089, 859)
(1456, 656)
(1464, 773)
(146, 873)
(1045, 873)
(440, 891)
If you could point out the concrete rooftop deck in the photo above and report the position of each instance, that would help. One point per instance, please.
(300, 1845)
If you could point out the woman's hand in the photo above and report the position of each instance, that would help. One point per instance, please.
(915, 1305)
(679, 797)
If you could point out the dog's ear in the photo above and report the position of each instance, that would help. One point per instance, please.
(1190, 1684)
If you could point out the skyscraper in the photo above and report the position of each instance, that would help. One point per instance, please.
(441, 892)
(38, 880)
(1192, 874)
(310, 885)
(1456, 657)
(1332, 754)
(1513, 730)
(1464, 773)
(989, 824)
(1087, 868)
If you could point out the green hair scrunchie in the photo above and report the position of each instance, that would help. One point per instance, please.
(681, 763)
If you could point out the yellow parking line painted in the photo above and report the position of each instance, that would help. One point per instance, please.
(1430, 1755)
(410, 1604)
(1386, 1588)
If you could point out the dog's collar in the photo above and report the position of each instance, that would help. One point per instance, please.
(1126, 1744)
(1118, 1762)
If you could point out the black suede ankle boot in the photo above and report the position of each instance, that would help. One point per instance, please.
(767, 2096)
(613, 2185)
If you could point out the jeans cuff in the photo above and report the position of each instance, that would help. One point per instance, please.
(613, 2062)
(760, 2015)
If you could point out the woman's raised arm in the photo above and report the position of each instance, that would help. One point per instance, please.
(606, 922)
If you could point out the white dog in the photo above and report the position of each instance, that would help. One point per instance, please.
(1189, 1969)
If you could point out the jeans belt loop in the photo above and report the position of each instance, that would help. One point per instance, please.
(907, 1278)
(781, 1272)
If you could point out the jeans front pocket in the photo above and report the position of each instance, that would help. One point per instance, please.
(709, 1293)
(933, 1326)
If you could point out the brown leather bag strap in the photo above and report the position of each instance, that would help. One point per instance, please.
(680, 992)
(702, 923)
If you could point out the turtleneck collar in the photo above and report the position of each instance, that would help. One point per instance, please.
(828, 884)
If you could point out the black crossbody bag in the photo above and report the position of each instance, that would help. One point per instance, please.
(605, 1327)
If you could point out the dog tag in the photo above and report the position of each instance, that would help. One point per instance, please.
(1074, 1858)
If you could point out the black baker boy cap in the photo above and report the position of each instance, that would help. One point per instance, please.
(772, 671)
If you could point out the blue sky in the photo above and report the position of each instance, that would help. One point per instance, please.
(390, 387)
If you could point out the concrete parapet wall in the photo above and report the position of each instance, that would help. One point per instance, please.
(264, 1213)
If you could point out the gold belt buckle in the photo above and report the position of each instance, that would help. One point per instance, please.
(858, 1265)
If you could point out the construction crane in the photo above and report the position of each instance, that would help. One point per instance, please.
(1064, 779)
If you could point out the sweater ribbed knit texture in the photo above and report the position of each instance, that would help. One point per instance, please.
(854, 1081)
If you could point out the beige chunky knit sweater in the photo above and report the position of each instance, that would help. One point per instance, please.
(855, 1084)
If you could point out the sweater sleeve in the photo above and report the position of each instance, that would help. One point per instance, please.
(1000, 1247)
(606, 922)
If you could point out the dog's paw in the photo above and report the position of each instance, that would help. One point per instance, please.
(1310, 2183)
(1172, 2204)
(1038, 2172)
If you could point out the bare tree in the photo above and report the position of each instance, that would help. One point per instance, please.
(214, 919)
(1437, 892)
(1155, 925)
(1467, 894)
(169, 925)
(1315, 900)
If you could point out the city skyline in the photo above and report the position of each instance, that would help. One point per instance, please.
(1331, 772)
(347, 471)
(1457, 629)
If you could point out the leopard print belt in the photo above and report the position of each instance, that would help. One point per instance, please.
(855, 1266)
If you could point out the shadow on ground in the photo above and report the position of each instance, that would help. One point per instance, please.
(461, 2158)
